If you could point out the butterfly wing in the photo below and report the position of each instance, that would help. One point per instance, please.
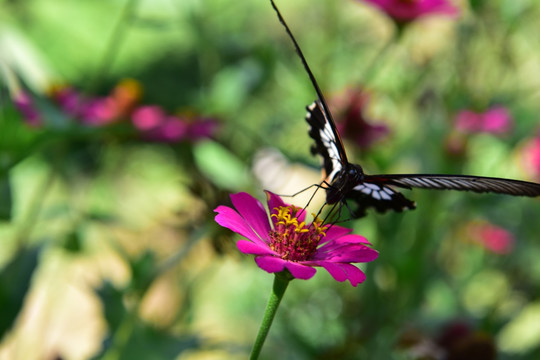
(375, 194)
(477, 184)
(376, 191)
(327, 141)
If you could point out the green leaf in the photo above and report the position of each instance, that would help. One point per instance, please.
(6, 199)
(73, 242)
(221, 166)
(113, 305)
(15, 280)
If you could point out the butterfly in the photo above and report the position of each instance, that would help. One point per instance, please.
(345, 181)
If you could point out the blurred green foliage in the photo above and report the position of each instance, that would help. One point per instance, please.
(131, 264)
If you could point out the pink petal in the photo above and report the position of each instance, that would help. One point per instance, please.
(300, 271)
(230, 219)
(342, 272)
(253, 212)
(274, 264)
(344, 241)
(348, 254)
(335, 232)
(270, 264)
(248, 247)
(405, 11)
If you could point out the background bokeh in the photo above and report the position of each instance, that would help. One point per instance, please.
(109, 249)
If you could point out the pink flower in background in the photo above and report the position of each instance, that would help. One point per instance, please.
(492, 237)
(531, 158)
(155, 125)
(69, 100)
(25, 104)
(405, 11)
(147, 117)
(99, 111)
(352, 122)
(201, 128)
(288, 243)
(151, 121)
(496, 120)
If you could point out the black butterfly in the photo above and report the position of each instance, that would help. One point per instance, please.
(346, 181)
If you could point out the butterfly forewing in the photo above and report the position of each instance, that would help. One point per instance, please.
(327, 141)
(459, 182)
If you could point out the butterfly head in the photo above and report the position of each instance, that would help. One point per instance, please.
(354, 173)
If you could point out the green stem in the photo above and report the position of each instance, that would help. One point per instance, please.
(280, 285)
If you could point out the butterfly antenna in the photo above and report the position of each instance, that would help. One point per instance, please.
(304, 62)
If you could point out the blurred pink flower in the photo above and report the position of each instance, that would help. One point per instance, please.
(69, 100)
(531, 158)
(156, 125)
(405, 11)
(352, 122)
(288, 243)
(25, 104)
(147, 117)
(496, 120)
(98, 111)
(492, 237)
(200, 128)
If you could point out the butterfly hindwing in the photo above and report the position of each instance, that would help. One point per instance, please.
(378, 196)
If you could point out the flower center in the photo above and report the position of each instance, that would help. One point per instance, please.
(292, 239)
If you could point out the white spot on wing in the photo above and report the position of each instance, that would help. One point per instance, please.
(375, 191)
(385, 196)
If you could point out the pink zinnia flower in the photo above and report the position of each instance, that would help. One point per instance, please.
(405, 11)
(25, 104)
(491, 237)
(288, 243)
(496, 120)
(352, 122)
